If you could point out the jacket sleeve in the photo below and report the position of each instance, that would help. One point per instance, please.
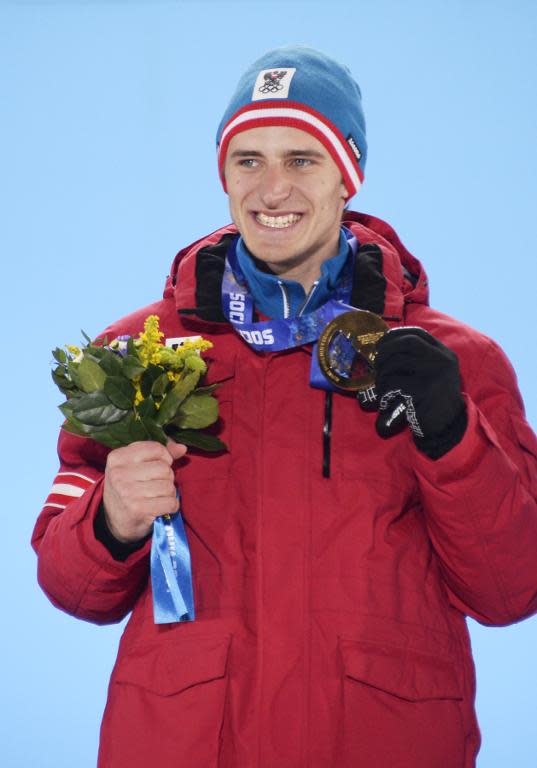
(480, 500)
(75, 570)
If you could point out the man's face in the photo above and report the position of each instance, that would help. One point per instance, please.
(286, 197)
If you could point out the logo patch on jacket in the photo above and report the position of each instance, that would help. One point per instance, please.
(273, 84)
(178, 341)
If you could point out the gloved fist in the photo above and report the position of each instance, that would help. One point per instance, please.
(418, 383)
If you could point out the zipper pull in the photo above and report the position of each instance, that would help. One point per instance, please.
(286, 308)
(327, 433)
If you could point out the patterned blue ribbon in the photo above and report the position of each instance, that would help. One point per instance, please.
(171, 571)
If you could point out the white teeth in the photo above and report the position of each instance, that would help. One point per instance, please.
(278, 222)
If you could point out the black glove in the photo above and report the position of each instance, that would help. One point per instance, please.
(418, 383)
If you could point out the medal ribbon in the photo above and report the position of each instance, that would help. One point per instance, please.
(171, 572)
(279, 334)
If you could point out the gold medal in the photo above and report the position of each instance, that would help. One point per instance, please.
(347, 349)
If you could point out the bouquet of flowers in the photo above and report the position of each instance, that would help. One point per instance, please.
(132, 389)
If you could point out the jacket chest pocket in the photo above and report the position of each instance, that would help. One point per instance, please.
(166, 704)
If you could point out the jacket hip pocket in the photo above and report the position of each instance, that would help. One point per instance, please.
(401, 707)
(166, 704)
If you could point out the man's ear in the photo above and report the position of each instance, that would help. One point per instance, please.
(344, 193)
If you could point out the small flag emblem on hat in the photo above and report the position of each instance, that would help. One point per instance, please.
(273, 84)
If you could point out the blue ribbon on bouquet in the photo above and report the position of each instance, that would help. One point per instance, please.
(171, 571)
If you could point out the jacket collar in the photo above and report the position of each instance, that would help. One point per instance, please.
(387, 276)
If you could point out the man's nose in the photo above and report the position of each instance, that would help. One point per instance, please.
(275, 187)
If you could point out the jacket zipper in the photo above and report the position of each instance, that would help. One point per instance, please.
(285, 297)
(308, 297)
(327, 426)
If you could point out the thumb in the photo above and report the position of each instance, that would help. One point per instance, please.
(392, 416)
(176, 450)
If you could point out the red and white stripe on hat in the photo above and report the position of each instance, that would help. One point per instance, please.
(66, 487)
(294, 115)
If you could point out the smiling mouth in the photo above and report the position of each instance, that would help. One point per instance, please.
(278, 222)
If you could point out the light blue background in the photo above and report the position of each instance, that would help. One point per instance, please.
(108, 113)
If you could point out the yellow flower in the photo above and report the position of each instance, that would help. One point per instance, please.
(152, 351)
(75, 352)
(195, 363)
(176, 358)
(138, 398)
(150, 341)
(170, 358)
(199, 345)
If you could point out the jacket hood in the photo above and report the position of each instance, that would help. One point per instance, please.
(387, 275)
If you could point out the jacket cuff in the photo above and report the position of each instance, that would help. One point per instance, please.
(465, 457)
(119, 550)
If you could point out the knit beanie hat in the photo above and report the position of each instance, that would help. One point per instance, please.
(301, 88)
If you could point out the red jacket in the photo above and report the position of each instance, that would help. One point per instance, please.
(330, 625)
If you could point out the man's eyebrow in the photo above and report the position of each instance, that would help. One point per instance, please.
(304, 153)
(246, 153)
(313, 153)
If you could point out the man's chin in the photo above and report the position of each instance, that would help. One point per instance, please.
(279, 259)
(276, 245)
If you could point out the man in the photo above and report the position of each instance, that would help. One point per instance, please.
(339, 544)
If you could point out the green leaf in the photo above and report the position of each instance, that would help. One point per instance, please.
(111, 363)
(70, 425)
(147, 408)
(147, 411)
(128, 430)
(197, 412)
(72, 370)
(74, 424)
(86, 337)
(160, 385)
(59, 355)
(91, 376)
(137, 430)
(119, 391)
(96, 410)
(67, 411)
(175, 397)
(149, 376)
(93, 352)
(115, 435)
(103, 435)
(61, 380)
(206, 390)
(107, 437)
(99, 435)
(155, 431)
(132, 366)
(195, 439)
(66, 408)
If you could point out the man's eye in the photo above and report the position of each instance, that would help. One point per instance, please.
(301, 162)
(248, 162)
